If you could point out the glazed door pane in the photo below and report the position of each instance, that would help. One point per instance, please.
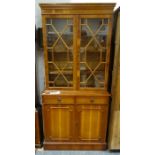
(59, 35)
(93, 50)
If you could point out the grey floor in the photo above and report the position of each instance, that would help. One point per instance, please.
(42, 152)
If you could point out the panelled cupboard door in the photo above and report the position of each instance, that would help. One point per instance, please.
(92, 122)
(58, 122)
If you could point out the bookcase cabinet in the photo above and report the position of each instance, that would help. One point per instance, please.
(77, 55)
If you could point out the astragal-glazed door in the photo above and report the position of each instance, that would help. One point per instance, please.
(59, 51)
(94, 51)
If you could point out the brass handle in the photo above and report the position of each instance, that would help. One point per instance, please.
(92, 100)
(59, 99)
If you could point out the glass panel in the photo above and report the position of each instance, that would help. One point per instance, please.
(52, 67)
(67, 36)
(52, 77)
(85, 36)
(60, 46)
(51, 85)
(70, 22)
(60, 52)
(59, 24)
(103, 55)
(60, 81)
(70, 53)
(60, 61)
(93, 60)
(50, 55)
(94, 24)
(48, 21)
(83, 21)
(82, 55)
(51, 35)
(51, 39)
(84, 73)
(68, 72)
(93, 46)
(99, 75)
(91, 82)
(105, 21)
(93, 52)
(102, 36)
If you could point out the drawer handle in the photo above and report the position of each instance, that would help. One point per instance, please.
(59, 99)
(92, 100)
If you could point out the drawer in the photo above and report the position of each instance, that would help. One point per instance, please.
(58, 100)
(92, 100)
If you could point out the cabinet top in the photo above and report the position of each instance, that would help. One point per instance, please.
(77, 8)
(75, 93)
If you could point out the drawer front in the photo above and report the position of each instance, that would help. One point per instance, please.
(58, 100)
(92, 100)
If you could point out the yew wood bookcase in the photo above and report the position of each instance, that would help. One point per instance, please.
(76, 40)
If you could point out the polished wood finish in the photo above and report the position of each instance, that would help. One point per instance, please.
(92, 100)
(74, 122)
(58, 122)
(58, 100)
(90, 126)
(76, 8)
(74, 146)
(114, 130)
(77, 118)
(76, 100)
(74, 93)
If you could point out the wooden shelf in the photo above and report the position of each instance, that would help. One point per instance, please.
(54, 33)
(59, 52)
(83, 62)
(60, 49)
(87, 70)
(64, 72)
(60, 61)
(70, 82)
(91, 49)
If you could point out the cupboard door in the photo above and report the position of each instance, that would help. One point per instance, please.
(58, 122)
(59, 51)
(93, 51)
(92, 122)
